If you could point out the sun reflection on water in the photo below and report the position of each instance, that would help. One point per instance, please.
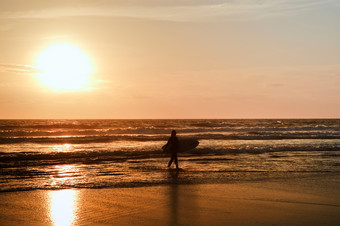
(63, 207)
(64, 175)
(63, 147)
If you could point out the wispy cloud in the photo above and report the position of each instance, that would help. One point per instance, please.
(18, 69)
(167, 10)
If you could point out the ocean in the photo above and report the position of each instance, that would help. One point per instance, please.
(60, 154)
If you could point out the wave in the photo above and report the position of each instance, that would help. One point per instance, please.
(15, 159)
(79, 139)
(84, 157)
(162, 126)
(83, 139)
(157, 130)
(81, 135)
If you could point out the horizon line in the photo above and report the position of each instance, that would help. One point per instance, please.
(250, 118)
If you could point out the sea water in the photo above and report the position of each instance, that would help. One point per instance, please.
(58, 154)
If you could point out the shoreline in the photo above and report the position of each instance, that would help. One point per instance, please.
(296, 201)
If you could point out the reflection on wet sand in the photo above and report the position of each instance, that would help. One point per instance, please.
(296, 202)
(182, 201)
(63, 207)
(173, 176)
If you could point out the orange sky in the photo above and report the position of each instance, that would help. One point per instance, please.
(175, 59)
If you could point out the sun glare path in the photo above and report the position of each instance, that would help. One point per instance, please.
(63, 207)
(64, 67)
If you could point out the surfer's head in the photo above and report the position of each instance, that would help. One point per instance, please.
(173, 133)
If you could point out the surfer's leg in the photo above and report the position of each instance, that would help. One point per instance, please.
(173, 157)
(170, 161)
(176, 161)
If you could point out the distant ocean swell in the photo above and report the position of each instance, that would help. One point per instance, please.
(97, 131)
(111, 138)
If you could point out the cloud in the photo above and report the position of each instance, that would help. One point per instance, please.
(276, 85)
(18, 69)
(189, 10)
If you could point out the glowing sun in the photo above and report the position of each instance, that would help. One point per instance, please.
(64, 67)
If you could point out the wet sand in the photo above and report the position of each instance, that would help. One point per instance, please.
(295, 202)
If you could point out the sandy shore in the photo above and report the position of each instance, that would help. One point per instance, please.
(258, 203)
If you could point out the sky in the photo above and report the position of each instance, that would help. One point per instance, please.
(174, 59)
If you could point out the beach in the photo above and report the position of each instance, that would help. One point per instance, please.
(304, 201)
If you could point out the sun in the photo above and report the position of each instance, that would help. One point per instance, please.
(63, 66)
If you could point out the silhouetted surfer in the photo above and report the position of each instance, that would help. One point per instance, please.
(174, 146)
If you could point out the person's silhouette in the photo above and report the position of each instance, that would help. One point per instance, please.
(174, 146)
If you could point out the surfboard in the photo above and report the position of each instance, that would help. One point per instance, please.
(184, 145)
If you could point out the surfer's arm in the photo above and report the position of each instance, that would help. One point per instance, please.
(165, 146)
